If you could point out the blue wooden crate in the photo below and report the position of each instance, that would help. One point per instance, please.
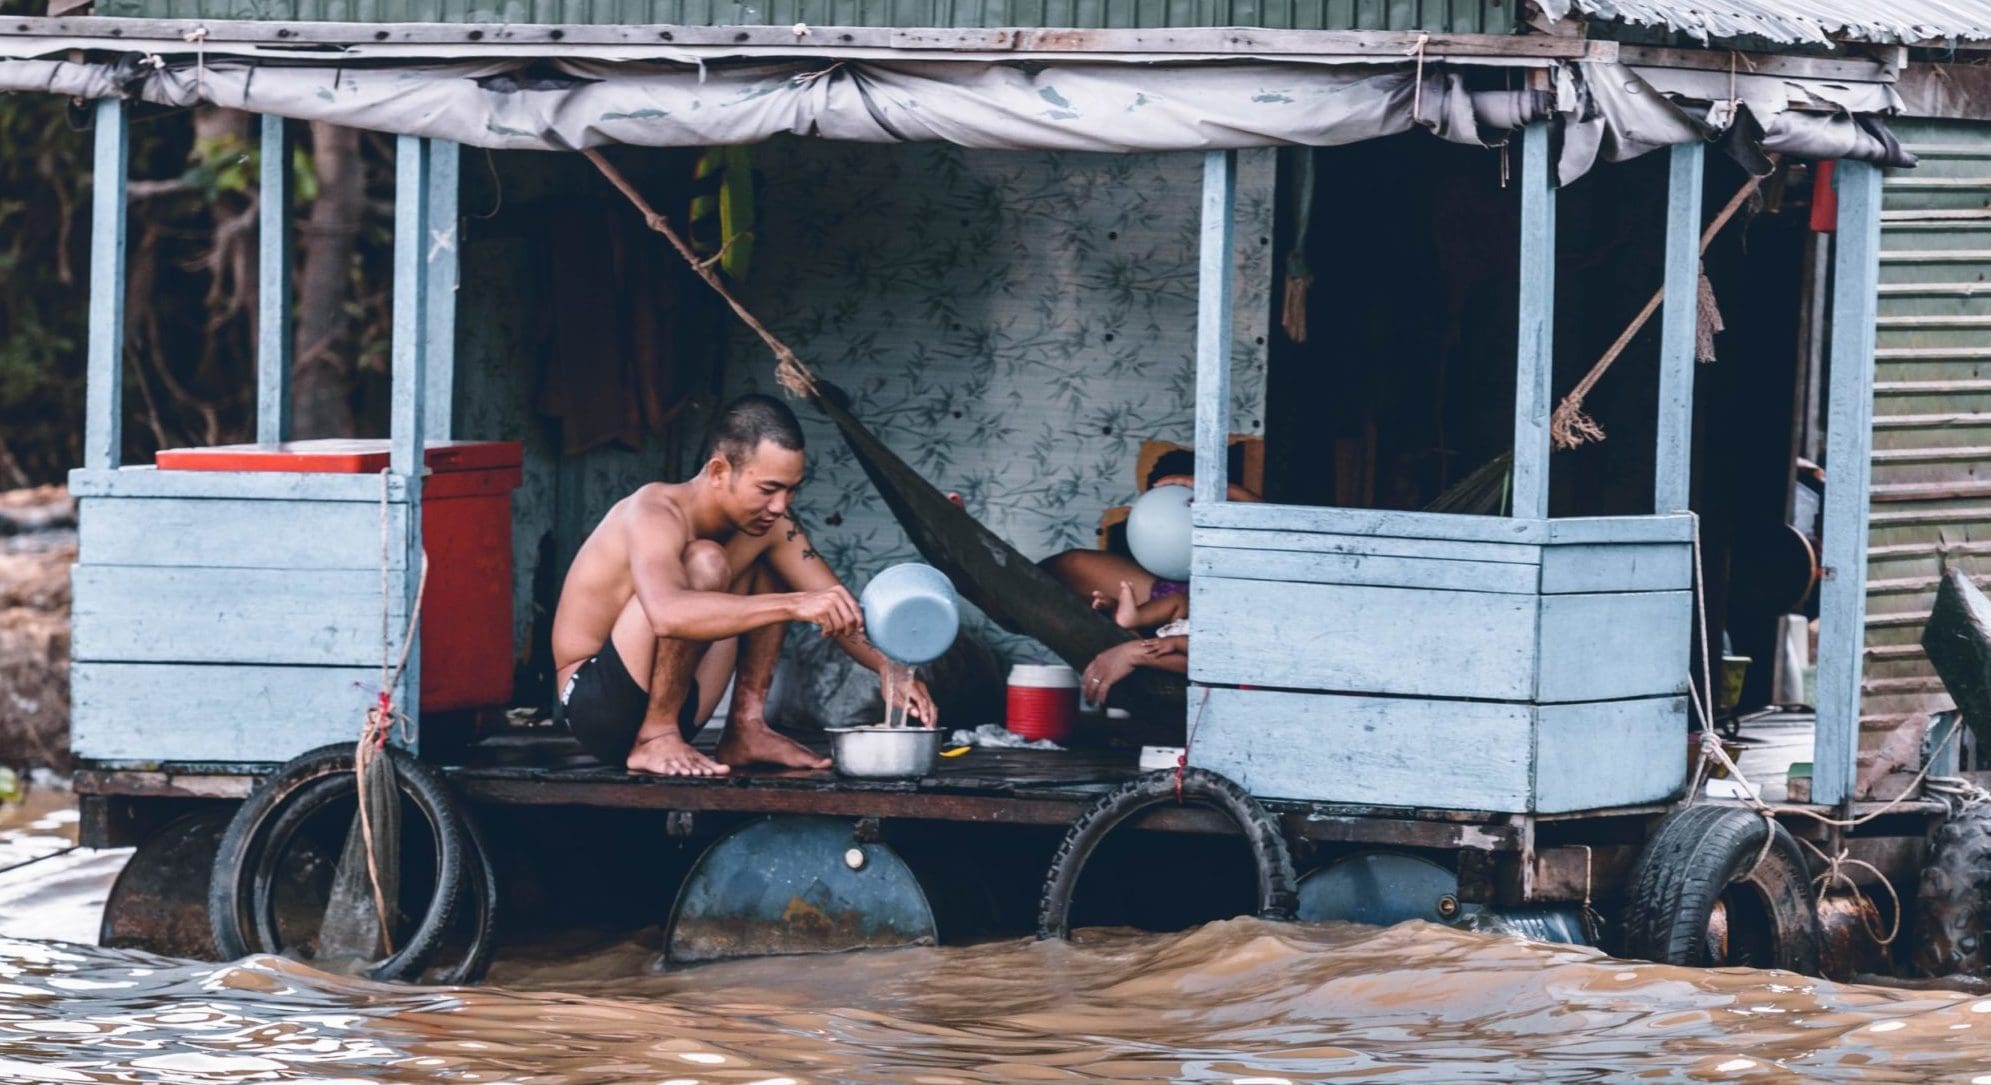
(1413, 659)
(229, 617)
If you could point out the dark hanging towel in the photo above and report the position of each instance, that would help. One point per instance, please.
(634, 335)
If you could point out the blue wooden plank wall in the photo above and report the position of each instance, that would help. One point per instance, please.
(253, 636)
(1475, 662)
(148, 712)
(1470, 755)
(1444, 623)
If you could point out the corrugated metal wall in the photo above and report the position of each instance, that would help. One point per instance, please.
(1455, 16)
(1932, 402)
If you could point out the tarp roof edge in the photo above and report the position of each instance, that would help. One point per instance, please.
(1607, 111)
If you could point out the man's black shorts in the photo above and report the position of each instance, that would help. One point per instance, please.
(604, 707)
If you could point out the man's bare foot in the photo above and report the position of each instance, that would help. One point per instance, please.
(670, 755)
(755, 743)
(1128, 614)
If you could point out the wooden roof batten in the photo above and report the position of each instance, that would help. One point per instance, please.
(298, 39)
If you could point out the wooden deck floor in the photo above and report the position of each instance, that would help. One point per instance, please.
(994, 786)
(997, 785)
(991, 786)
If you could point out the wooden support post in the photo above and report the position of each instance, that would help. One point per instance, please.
(1535, 353)
(1672, 465)
(273, 297)
(410, 350)
(1213, 326)
(103, 424)
(444, 262)
(1849, 448)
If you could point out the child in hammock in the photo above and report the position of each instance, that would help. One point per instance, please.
(1137, 598)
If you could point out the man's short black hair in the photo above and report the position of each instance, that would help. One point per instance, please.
(745, 423)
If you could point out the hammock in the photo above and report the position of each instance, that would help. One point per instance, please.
(989, 572)
(992, 574)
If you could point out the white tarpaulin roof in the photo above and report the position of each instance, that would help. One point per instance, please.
(1796, 20)
(1608, 111)
(1080, 106)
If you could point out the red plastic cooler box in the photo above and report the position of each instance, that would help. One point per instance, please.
(466, 530)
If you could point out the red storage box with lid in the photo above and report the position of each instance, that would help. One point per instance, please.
(466, 631)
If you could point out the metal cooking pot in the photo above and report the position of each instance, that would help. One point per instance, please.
(884, 752)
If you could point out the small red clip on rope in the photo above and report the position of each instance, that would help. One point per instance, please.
(1182, 759)
(383, 719)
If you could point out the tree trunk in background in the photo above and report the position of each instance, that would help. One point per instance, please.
(213, 124)
(232, 265)
(322, 364)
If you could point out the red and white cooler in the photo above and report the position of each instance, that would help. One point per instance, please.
(1043, 701)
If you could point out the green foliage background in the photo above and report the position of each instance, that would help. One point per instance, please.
(44, 268)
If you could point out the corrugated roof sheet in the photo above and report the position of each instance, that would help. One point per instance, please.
(1797, 20)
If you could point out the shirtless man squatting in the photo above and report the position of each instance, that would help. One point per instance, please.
(684, 585)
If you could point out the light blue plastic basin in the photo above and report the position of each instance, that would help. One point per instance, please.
(911, 612)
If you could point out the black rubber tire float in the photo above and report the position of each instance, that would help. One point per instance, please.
(241, 904)
(477, 917)
(1277, 896)
(1951, 901)
(1698, 855)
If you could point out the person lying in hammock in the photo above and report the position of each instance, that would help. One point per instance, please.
(683, 586)
(1137, 598)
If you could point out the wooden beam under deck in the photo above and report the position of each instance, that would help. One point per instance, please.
(996, 787)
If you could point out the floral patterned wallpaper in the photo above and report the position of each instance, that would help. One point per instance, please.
(1013, 324)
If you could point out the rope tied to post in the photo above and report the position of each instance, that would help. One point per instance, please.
(1417, 78)
(197, 37)
(1835, 873)
(1569, 426)
(383, 717)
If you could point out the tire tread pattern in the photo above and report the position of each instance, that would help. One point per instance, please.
(1277, 895)
(1696, 854)
(1951, 902)
(233, 893)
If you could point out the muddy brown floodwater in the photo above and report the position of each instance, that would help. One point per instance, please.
(1238, 1001)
